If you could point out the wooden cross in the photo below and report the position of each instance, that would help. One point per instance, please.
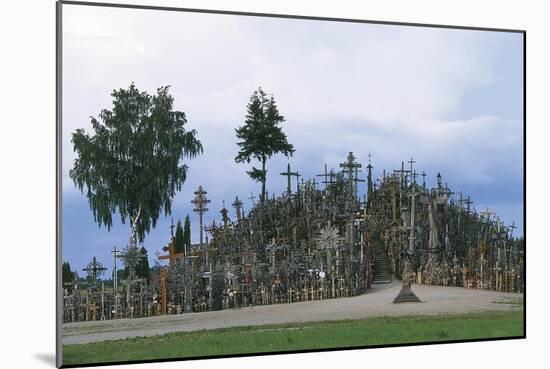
(172, 254)
(289, 174)
(487, 214)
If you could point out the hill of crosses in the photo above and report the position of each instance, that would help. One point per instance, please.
(317, 240)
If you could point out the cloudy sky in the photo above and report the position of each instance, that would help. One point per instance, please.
(451, 99)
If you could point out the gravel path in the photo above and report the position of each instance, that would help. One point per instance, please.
(376, 302)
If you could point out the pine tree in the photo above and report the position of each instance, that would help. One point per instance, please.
(179, 239)
(67, 276)
(187, 232)
(261, 137)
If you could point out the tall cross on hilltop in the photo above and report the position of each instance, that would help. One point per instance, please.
(200, 201)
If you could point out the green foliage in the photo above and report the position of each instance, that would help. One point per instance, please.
(261, 137)
(179, 242)
(131, 162)
(67, 276)
(187, 232)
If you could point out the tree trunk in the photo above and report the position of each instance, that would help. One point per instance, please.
(264, 179)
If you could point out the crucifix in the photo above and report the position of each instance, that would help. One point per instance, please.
(238, 204)
(289, 174)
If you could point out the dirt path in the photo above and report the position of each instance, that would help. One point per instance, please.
(376, 302)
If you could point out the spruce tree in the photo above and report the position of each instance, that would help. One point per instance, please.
(187, 232)
(179, 239)
(261, 137)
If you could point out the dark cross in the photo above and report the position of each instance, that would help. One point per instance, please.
(224, 212)
(237, 204)
(172, 228)
(94, 269)
(314, 183)
(414, 175)
(349, 166)
(252, 197)
(289, 174)
(423, 179)
(447, 190)
(200, 202)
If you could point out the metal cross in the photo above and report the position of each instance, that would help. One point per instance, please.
(94, 269)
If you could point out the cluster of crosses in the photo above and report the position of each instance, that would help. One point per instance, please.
(317, 241)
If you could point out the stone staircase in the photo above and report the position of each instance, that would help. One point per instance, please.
(382, 273)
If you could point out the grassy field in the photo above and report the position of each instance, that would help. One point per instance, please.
(316, 335)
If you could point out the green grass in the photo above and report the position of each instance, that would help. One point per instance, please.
(315, 335)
